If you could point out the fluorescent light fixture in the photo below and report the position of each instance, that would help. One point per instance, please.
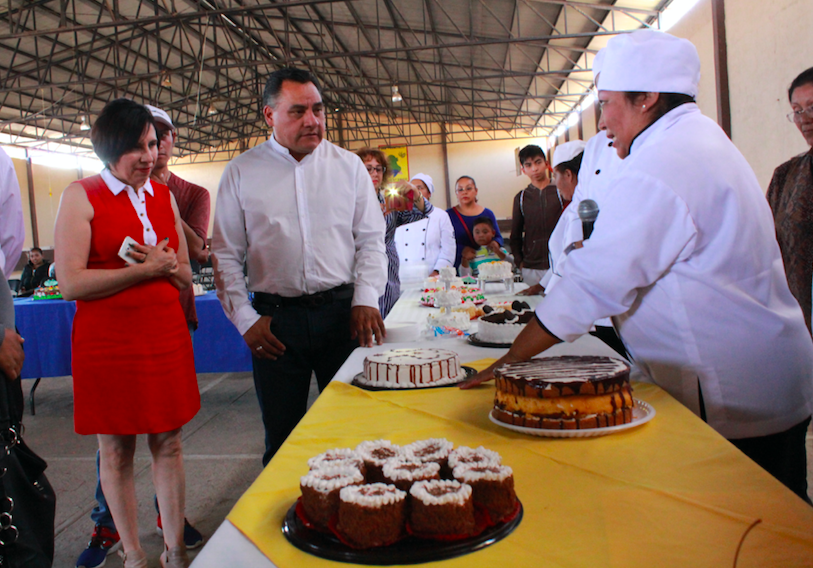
(396, 96)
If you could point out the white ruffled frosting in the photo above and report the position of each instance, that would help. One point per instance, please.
(471, 472)
(372, 495)
(479, 455)
(447, 273)
(336, 456)
(412, 368)
(448, 298)
(431, 450)
(406, 469)
(441, 492)
(328, 479)
(377, 452)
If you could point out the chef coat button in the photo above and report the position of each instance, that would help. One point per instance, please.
(598, 172)
(609, 145)
(424, 229)
(421, 244)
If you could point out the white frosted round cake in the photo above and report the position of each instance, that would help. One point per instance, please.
(495, 271)
(505, 326)
(411, 368)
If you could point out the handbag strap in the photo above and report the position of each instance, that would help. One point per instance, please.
(463, 222)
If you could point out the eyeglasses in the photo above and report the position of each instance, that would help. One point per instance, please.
(796, 115)
(377, 169)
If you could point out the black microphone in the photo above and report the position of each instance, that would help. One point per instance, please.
(588, 212)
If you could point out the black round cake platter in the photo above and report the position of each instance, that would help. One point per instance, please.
(474, 340)
(410, 550)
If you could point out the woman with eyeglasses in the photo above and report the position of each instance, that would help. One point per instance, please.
(684, 260)
(790, 195)
(464, 214)
(376, 164)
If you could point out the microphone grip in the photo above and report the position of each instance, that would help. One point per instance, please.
(587, 229)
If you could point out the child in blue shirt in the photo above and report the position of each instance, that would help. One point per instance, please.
(489, 251)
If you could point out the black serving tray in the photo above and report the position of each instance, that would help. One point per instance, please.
(470, 372)
(411, 550)
(475, 341)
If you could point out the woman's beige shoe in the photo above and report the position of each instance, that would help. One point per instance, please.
(135, 559)
(175, 558)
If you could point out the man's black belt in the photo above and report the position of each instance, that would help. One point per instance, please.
(343, 292)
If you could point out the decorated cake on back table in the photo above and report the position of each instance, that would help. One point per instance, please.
(564, 393)
(48, 291)
(495, 271)
(411, 368)
(504, 326)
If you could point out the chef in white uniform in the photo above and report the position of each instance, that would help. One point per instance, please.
(426, 246)
(684, 258)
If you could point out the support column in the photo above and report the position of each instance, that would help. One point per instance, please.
(721, 65)
(443, 141)
(32, 203)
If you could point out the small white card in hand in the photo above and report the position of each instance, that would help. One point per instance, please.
(125, 247)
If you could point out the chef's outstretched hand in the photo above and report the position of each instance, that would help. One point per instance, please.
(481, 377)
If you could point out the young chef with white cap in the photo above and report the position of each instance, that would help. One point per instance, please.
(684, 258)
(425, 246)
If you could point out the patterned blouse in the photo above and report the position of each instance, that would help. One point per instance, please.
(790, 196)
(394, 219)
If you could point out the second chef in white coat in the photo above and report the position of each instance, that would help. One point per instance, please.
(684, 258)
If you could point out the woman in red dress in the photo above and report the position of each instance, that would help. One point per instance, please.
(133, 368)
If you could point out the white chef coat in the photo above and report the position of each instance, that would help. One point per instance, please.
(598, 163)
(684, 257)
(302, 227)
(12, 227)
(424, 246)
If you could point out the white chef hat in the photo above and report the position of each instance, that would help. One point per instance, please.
(160, 116)
(427, 179)
(598, 61)
(651, 62)
(567, 151)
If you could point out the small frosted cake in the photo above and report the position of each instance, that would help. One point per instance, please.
(495, 271)
(504, 326)
(476, 456)
(411, 368)
(371, 515)
(441, 507)
(48, 291)
(456, 320)
(451, 297)
(375, 454)
(435, 450)
(492, 486)
(320, 491)
(404, 472)
(563, 393)
(338, 457)
(467, 294)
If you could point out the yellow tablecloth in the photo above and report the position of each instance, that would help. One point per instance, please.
(669, 493)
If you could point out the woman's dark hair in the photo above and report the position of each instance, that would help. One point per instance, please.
(379, 156)
(803, 78)
(466, 177)
(38, 249)
(274, 84)
(572, 165)
(484, 221)
(666, 102)
(118, 129)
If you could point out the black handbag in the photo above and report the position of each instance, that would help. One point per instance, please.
(27, 500)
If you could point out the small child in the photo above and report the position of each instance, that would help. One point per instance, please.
(489, 251)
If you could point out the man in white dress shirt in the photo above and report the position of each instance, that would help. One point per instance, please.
(12, 235)
(302, 214)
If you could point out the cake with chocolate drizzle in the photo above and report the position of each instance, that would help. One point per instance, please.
(504, 326)
(411, 368)
(564, 393)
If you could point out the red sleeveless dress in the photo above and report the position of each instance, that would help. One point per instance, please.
(133, 367)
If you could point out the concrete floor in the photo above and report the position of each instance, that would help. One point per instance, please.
(223, 448)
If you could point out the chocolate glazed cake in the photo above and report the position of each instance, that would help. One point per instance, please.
(564, 393)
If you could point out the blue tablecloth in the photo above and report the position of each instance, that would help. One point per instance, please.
(46, 327)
